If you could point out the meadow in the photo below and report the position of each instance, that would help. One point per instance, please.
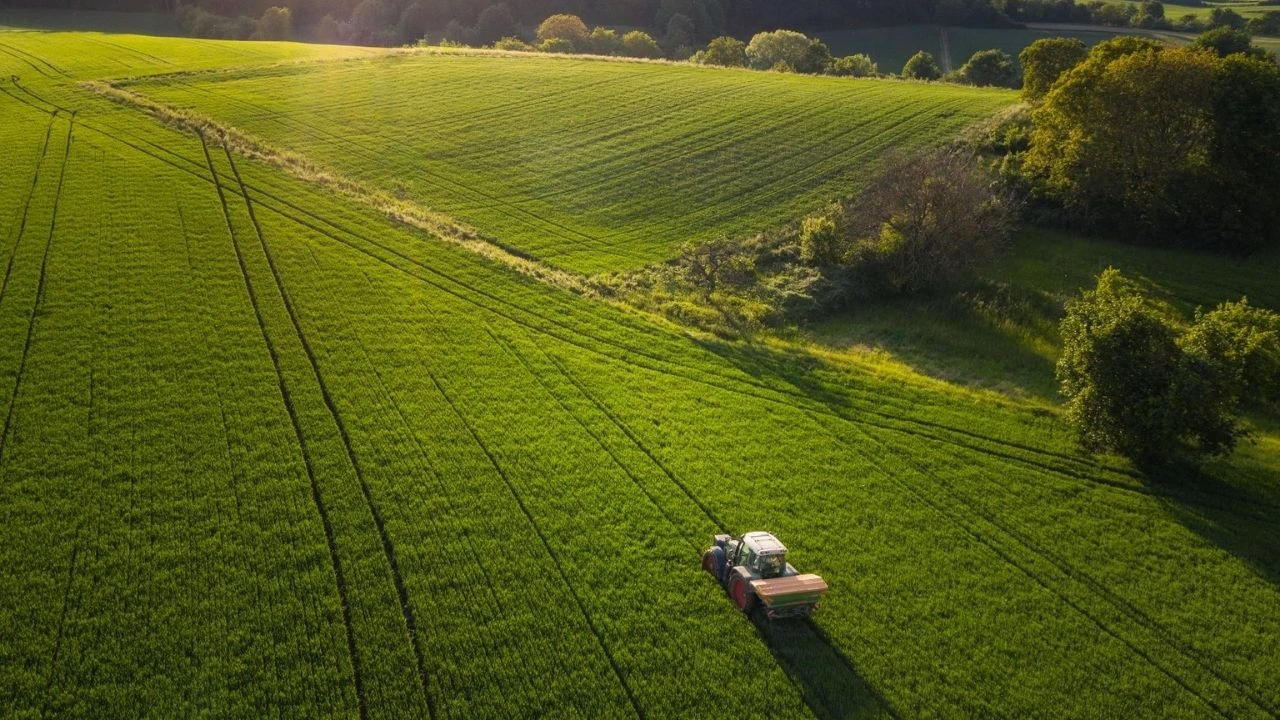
(585, 165)
(268, 451)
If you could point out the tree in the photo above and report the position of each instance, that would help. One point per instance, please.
(823, 237)
(372, 21)
(639, 44)
(1265, 24)
(989, 67)
(494, 23)
(1131, 389)
(414, 23)
(679, 33)
(1224, 41)
(276, 23)
(922, 66)
(1242, 156)
(564, 27)
(1244, 343)
(1226, 17)
(724, 51)
(767, 49)
(1045, 60)
(605, 41)
(816, 59)
(853, 66)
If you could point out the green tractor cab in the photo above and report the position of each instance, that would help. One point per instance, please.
(754, 570)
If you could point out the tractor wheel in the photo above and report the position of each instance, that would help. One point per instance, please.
(713, 561)
(741, 594)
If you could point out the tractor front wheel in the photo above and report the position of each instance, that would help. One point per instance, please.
(741, 594)
(713, 561)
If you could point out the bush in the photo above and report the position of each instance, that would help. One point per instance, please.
(1244, 343)
(1045, 60)
(1131, 389)
(922, 66)
(853, 66)
(724, 51)
(564, 27)
(1226, 17)
(823, 239)
(557, 45)
(767, 49)
(605, 41)
(1224, 41)
(513, 43)
(989, 68)
(639, 44)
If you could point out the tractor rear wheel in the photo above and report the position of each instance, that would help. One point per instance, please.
(741, 594)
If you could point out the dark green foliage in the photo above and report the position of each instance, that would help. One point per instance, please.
(494, 23)
(989, 68)
(1044, 61)
(1265, 24)
(816, 60)
(679, 33)
(1224, 41)
(1226, 17)
(1129, 386)
(1243, 341)
(859, 65)
(724, 51)
(922, 66)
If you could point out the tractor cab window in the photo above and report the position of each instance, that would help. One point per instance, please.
(770, 565)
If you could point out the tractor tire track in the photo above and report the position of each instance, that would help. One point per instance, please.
(9, 51)
(26, 208)
(321, 509)
(546, 545)
(62, 621)
(37, 58)
(1005, 556)
(40, 287)
(388, 548)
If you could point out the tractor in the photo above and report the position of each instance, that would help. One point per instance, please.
(754, 570)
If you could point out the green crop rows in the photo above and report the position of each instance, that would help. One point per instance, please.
(586, 165)
(266, 452)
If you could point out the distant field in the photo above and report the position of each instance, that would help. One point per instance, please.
(267, 452)
(583, 164)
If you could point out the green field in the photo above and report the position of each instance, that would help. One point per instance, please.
(266, 451)
(585, 165)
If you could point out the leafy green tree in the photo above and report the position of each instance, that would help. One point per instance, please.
(1265, 24)
(1226, 17)
(639, 44)
(1242, 156)
(1244, 342)
(922, 66)
(565, 27)
(605, 41)
(679, 33)
(495, 22)
(824, 237)
(859, 65)
(989, 67)
(724, 51)
(276, 23)
(1131, 389)
(767, 49)
(1224, 41)
(816, 59)
(1045, 60)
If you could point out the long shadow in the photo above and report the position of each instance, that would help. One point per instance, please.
(831, 685)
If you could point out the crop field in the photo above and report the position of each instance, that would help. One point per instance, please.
(266, 451)
(585, 165)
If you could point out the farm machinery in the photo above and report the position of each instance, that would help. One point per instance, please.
(754, 570)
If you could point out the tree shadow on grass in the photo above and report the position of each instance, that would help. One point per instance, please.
(832, 687)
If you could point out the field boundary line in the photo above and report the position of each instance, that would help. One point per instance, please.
(322, 511)
(40, 287)
(388, 549)
(26, 208)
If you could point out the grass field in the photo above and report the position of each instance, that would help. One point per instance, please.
(267, 452)
(583, 164)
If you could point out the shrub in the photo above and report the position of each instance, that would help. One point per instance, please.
(823, 237)
(853, 66)
(564, 27)
(724, 51)
(922, 66)
(1045, 60)
(557, 45)
(513, 43)
(1131, 389)
(605, 41)
(1244, 343)
(1226, 17)
(989, 68)
(816, 59)
(767, 49)
(638, 43)
(1224, 41)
